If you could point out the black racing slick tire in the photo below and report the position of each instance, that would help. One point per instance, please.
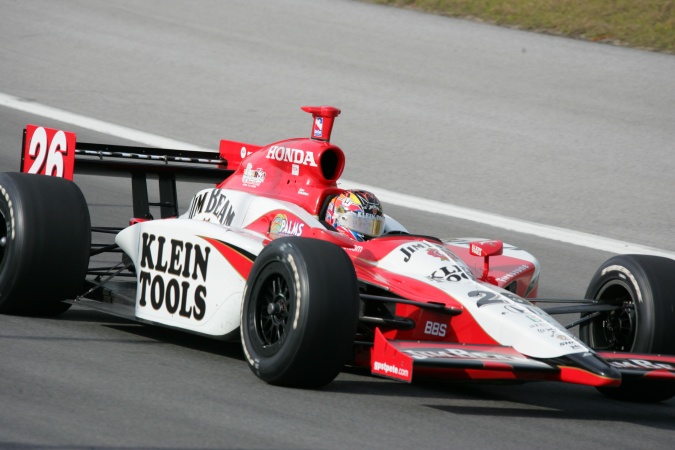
(300, 312)
(45, 237)
(644, 286)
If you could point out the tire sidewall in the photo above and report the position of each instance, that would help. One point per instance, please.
(18, 248)
(266, 365)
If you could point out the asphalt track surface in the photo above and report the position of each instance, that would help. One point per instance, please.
(538, 128)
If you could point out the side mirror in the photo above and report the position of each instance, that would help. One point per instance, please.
(486, 249)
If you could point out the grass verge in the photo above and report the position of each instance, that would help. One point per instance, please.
(645, 24)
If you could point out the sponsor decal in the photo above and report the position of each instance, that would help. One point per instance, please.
(252, 177)
(514, 309)
(431, 249)
(301, 191)
(4, 193)
(571, 344)
(282, 225)
(567, 341)
(243, 153)
(212, 205)
(449, 273)
(173, 276)
(318, 127)
(390, 369)
(640, 364)
(548, 330)
(485, 248)
(451, 353)
(295, 170)
(292, 155)
(513, 273)
(493, 298)
(435, 252)
(554, 333)
(408, 250)
(476, 250)
(435, 328)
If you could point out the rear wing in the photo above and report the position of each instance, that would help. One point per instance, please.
(54, 152)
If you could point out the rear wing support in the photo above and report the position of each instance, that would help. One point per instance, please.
(168, 197)
(168, 165)
(139, 191)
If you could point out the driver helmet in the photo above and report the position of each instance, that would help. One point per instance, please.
(358, 214)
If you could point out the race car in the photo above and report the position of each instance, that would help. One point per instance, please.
(311, 277)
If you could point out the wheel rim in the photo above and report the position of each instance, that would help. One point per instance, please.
(615, 330)
(274, 303)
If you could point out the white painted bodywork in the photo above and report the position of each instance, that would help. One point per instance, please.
(507, 318)
(211, 292)
(219, 290)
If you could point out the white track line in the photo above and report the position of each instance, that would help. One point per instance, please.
(386, 196)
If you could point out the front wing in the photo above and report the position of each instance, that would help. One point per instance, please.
(398, 360)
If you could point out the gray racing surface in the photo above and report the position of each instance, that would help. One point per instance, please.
(545, 129)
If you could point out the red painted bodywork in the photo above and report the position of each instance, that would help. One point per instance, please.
(304, 172)
(48, 151)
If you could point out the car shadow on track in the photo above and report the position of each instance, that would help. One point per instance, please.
(156, 333)
(545, 400)
(80, 314)
(653, 418)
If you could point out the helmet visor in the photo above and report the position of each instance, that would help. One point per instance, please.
(364, 223)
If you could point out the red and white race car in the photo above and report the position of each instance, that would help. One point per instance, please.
(256, 258)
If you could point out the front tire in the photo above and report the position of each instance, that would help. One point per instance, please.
(644, 286)
(45, 237)
(300, 312)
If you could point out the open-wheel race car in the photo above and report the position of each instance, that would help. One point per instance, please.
(312, 277)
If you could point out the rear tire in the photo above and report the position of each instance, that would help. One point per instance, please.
(644, 285)
(300, 312)
(45, 237)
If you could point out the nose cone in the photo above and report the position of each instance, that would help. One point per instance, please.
(595, 371)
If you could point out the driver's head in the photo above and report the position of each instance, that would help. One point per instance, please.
(358, 214)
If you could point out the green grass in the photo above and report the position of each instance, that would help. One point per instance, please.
(646, 24)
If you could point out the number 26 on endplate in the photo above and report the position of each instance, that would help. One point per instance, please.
(48, 152)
